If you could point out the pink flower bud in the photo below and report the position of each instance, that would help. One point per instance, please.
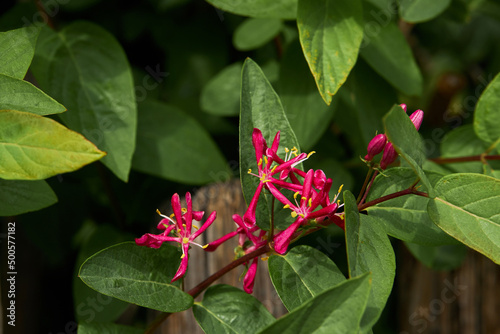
(375, 146)
(416, 118)
(389, 156)
(402, 105)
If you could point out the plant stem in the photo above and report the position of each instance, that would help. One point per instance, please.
(408, 191)
(368, 188)
(363, 188)
(479, 157)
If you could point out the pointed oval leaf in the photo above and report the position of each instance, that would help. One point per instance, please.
(138, 275)
(301, 274)
(487, 113)
(253, 33)
(85, 68)
(33, 147)
(221, 95)
(467, 207)
(21, 95)
(330, 33)
(369, 250)
(389, 54)
(337, 310)
(226, 309)
(17, 48)
(284, 9)
(104, 328)
(18, 196)
(414, 11)
(174, 146)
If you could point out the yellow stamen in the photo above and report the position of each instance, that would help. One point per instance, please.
(172, 215)
(184, 210)
(296, 194)
(183, 255)
(340, 188)
(260, 162)
(274, 168)
(205, 246)
(286, 206)
(311, 153)
(265, 159)
(287, 150)
(265, 258)
(304, 198)
(249, 171)
(196, 227)
(294, 214)
(158, 212)
(185, 240)
(310, 202)
(302, 215)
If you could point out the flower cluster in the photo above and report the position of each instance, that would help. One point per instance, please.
(380, 142)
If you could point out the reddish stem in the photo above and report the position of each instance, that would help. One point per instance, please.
(368, 188)
(408, 191)
(479, 157)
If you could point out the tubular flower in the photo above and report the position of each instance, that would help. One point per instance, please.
(180, 223)
(389, 156)
(375, 146)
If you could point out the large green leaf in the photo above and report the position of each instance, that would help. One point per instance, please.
(174, 146)
(85, 68)
(17, 94)
(284, 9)
(254, 33)
(487, 114)
(467, 207)
(16, 51)
(405, 217)
(330, 33)
(33, 147)
(369, 250)
(307, 113)
(388, 53)
(260, 108)
(414, 11)
(138, 275)
(337, 310)
(407, 142)
(221, 95)
(226, 309)
(301, 274)
(18, 196)
(103, 328)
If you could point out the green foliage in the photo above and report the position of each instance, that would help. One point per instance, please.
(421, 10)
(19, 196)
(285, 9)
(98, 328)
(254, 33)
(487, 115)
(226, 309)
(138, 275)
(17, 48)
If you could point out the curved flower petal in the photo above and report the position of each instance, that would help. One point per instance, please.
(249, 279)
(184, 263)
(282, 239)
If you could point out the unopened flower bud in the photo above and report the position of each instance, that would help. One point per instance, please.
(416, 118)
(402, 105)
(389, 156)
(375, 146)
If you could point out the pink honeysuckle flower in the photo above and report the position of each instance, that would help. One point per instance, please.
(390, 155)
(376, 146)
(182, 227)
(416, 118)
(402, 105)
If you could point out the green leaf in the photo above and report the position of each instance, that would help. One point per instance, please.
(369, 250)
(307, 113)
(388, 53)
(100, 328)
(487, 114)
(16, 51)
(260, 108)
(414, 11)
(253, 33)
(407, 142)
(441, 258)
(33, 147)
(138, 275)
(330, 34)
(85, 299)
(85, 68)
(405, 217)
(17, 197)
(282, 9)
(221, 95)
(174, 146)
(303, 273)
(226, 309)
(462, 142)
(467, 208)
(337, 310)
(21, 95)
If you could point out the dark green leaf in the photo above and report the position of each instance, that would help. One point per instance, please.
(138, 275)
(283, 9)
(33, 147)
(260, 108)
(16, 51)
(369, 250)
(414, 11)
(405, 217)
(330, 34)
(388, 53)
(221, 95)
(100, 328)
(226, 309)
(21, 95)
(467, 208)
(301, 274)
(446, 257)
(85, 68)
(487, 114)
(337, 310)
(253, 33)
(174, 146)
(17, 197)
